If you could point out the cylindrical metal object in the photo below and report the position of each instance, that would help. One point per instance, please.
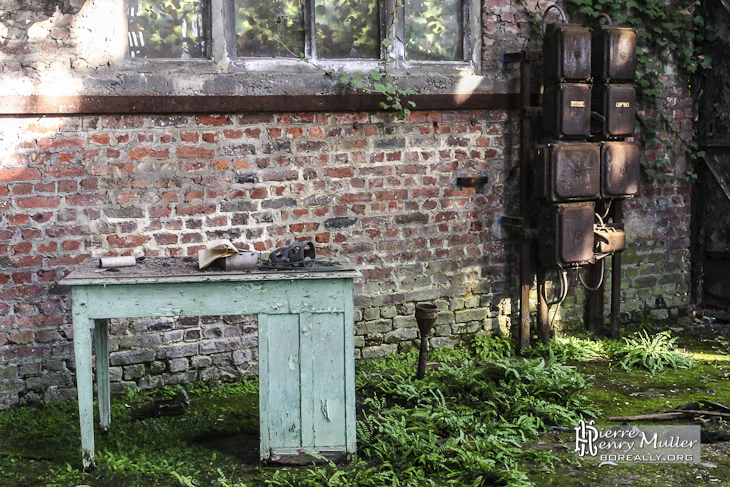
(124, 261)
(426, 315)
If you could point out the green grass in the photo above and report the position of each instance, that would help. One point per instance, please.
(482, 416)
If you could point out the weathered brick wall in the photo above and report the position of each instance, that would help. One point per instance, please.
(379, 191)
(365, 185)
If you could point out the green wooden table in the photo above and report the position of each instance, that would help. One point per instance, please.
(306, 350)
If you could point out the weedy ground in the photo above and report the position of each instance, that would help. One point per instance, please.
(481, 417)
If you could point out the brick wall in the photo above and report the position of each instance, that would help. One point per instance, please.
(379, 191)
(365, 185)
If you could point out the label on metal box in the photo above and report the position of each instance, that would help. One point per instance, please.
(577, 104)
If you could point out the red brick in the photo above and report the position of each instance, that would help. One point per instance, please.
(191, 152)
(233, 133)
(68, 186)
(86, 199)
(355, 197)
(166, 238)
(259, 193)
(64, 172)
(20, 174)
(213, 120)
(18, 220)
(127, 197)
(101, 139)
(194, 195)
(22, 277)
(148, 153)
(170, 197)
(20, 292)
(46, 143)
(21, 189)
(45, 187)
(253, 133)
(338, 172)
(38, 202)
(195, 209)
(129, 241)
(70, 245)
(212, 137)
(241, 163)
(31, 234)
(160, 212)
(220, 165)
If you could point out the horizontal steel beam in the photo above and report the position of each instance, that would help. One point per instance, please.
(154, 104)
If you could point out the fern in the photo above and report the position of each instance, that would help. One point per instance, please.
(653, 353)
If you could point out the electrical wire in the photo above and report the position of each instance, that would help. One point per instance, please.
(600, 281)
(564, 295)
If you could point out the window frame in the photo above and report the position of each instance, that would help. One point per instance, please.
(221, 47)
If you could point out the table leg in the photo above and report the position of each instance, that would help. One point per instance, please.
(84, 375)
(101, 347)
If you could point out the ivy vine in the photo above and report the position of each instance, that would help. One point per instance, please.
(670, 35)
(376, 81)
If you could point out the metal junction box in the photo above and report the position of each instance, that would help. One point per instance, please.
(566, 53)
(617, 104)
(609, 239)
(620, 169)
(567, 171)
(567, 236)
(567, 110)
(613, 54)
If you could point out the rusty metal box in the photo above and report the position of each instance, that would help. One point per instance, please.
(566, 235)
(609, 239)
(616, 103)
(566, 53)
(620, 169)
(567, 171)
(613, 54)
(567, 110)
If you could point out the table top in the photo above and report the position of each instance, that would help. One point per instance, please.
(158, 270)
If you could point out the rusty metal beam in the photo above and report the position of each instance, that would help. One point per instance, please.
(157, 104)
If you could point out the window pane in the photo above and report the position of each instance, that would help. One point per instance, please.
(347, 29)
(262, 26)
(166, 29)
(434, 30)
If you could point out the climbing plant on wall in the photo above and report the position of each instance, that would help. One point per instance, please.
(670, 37)
(671, 33)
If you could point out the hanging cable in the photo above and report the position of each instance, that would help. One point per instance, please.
(544, 16)
(600, 281)
(564, 295)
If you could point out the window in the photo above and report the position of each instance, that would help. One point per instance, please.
(173, 29)
(328, 31)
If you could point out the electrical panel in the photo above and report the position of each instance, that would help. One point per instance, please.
(616, 105)
(567, 234)
(613, 56)
(582, 157)
(567, 171)
(567, 110)
(620, 169)
(566, 53)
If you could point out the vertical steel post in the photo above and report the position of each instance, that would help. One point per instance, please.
(595, 298)
(618, 217)
(526, 245)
